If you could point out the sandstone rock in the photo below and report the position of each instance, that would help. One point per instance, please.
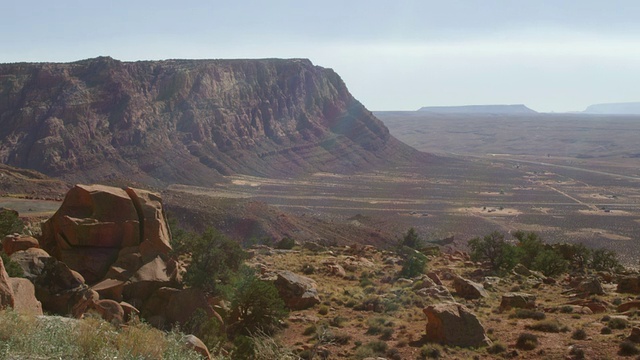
(468, 289)
(17, 242)
(593, 305)
(522, 270)
(152, 276)
(433, 276)
(6, 292)
(155, 237)
(24, 294)
(334, 269)
(297, 292)
(59, 289)
(130, 311)
(436, 292)
(195, 344)
(110, 289)
(110, 311)
(590, 286)
(176, 306)
(517, 300)
(93, 223)
(453, 324)
(633, 304)
(635, 335)
(423, 283)
(629, 284)
(107, 232)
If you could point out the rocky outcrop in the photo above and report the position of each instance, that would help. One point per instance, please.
(186, 121)
(453, 324)
(298, 292)
(107, 233)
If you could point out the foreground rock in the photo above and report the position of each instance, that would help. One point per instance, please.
(297, 292)
(59, 289)
(17, 242)
(453, 324)
(6, 293)
(95, 223)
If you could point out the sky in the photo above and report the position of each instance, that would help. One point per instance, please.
(559, 55)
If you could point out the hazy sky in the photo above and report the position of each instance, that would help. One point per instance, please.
(552, 55)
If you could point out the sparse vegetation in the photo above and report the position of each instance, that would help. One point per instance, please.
(527, 341)
(548, 325)
(628, 348)
(91, 338)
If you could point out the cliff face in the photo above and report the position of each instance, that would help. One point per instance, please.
(185, 121)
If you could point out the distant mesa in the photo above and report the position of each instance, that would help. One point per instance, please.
(479, 109)
(186, 121)
(629, 108)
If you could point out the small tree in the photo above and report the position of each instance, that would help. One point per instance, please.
(10, 222)
(414, 265)
(214, 260)
(412, 240)
(256, 304)
(529, 246)
(550, 262)
(493, 249)
(605, 260)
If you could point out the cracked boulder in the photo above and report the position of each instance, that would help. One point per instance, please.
(454, 324)
(95, 223)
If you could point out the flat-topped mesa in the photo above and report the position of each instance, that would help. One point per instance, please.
(96, 223)
(186, 121)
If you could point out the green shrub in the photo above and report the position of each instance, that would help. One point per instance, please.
(386, 334)
(414, 265)
(550, 263)
(430, 352)
(323, 310)
(285, 243)
(527, 341)
(628, 348)
(412, 240)
(528, 314)
(10, 222)
(309, 330)
(579, 334)
(605, 260)
(496, 348)
(549, 325)
(605, 330)
(214, 260)
(617, 323)
(493, 249)
(257, 304)
(12, 267)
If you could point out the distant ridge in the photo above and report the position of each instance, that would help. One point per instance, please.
(629, 108)
(479, 109)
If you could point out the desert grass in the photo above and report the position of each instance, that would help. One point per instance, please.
(52, 337)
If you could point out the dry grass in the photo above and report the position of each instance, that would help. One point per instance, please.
(26, 337)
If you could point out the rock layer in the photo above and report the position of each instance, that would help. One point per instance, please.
(185, 121)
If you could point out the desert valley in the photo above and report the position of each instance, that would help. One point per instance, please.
(320, 197)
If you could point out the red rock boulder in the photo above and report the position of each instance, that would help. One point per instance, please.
(455, 325)
(17, 242)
